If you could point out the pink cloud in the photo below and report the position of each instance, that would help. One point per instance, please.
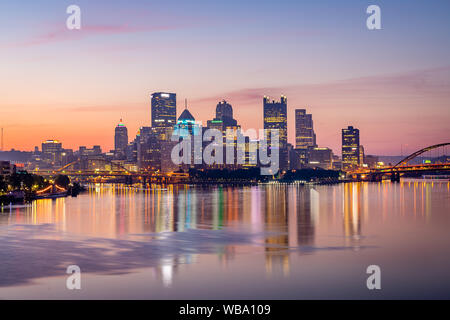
(108, 108)
(63, 34)
(410, 107)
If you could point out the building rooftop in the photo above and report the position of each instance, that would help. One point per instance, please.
(186, 115)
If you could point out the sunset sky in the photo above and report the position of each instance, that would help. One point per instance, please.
(75, 85)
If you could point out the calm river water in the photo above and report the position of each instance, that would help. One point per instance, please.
(260, 242)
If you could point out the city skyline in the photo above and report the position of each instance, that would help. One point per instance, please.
(225, 155)
(74, 85)
(180, 112)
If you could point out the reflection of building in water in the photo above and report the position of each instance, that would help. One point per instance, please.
(352, 214)
(307, 208)
(276, 205)
(217, 205)
(169, 266)
(226, 254)
(186, 209)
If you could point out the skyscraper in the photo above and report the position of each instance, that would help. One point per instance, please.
(120, 140)
(52, 152)
(186, 128)
(224, 118)
(187, 122)
(275, 117)
(350, 148)
(164, 109)
(304, 130)
(224, 109)
(361, 155)
(149, 149)
(225, 123)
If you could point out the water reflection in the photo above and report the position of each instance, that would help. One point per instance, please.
(279, 221)
(352, 198)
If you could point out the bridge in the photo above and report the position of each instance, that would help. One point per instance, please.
(101, 170)
(402, 167)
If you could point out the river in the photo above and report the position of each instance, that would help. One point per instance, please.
(275, 241)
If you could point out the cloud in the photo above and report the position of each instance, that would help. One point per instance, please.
(106, 108)
(421, 84)
(64, 34)
(411, 107)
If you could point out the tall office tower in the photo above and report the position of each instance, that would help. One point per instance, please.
(275, 117)
(224, 110)
(164, 110)
(187, 122)
(350, 148)
(224, 118)
(304, 130)
(224, 121)
(52, 152)
(131, 152)
(141, 139)
(361, 155)
(149, 149)
(120, 140)
(188, 129)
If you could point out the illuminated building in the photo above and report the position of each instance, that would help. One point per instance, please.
(167, 165)
(89, 152)
(186, 128)
(224, 118)
(131, 152)
(337, 162)
(149, 149)
(371, 161)
(225, 123)
(275, 117)
(187, 122)
(120, 140)
(361, 155)
(293, 159)
(52, 152)
(164, 110)
(251, 152)
(350, 148)
(67, 156)
(301, 160)
(320, 158)
(304, 130)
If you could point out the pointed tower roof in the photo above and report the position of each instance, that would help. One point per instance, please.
(186, 115)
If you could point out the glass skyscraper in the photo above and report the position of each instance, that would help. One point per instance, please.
(164, 110)
(350, 148)
(120, 140)
(304, 130)
(275, 117)
(225, 123)
(224, 118)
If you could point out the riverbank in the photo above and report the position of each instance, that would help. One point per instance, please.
(21, 197)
